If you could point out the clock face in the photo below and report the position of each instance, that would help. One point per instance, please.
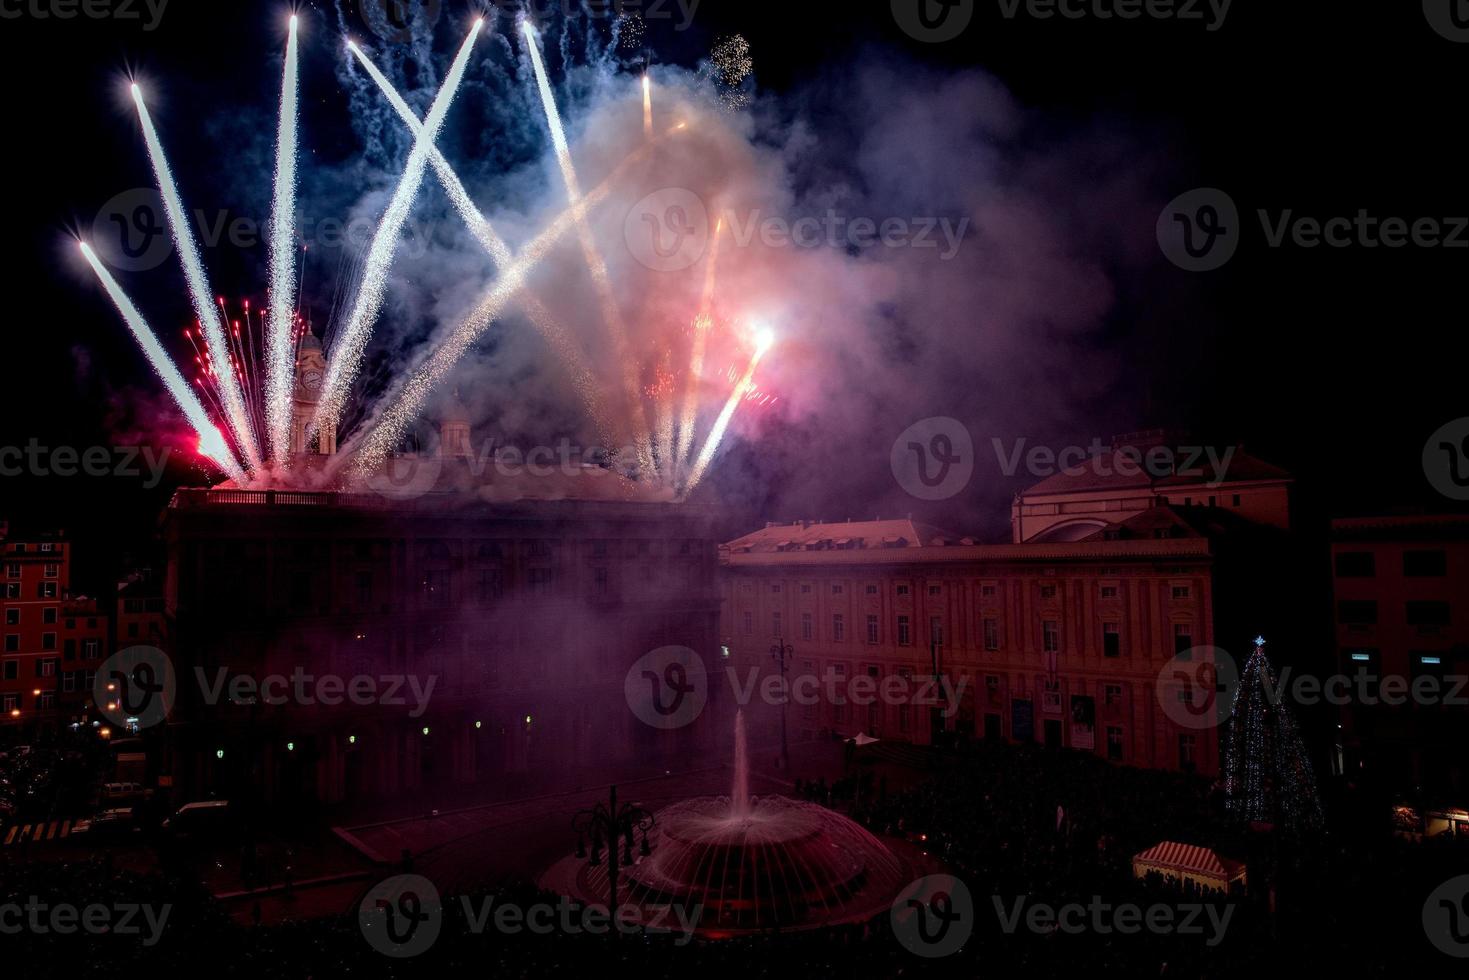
(311, 379)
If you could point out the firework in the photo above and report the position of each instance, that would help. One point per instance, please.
(198, 280)
(647, 106)
(729, 65)
(280, 352)
(702, 322)
(553, 332)
(716, 435)
(611, 315)
(211, 444)
(346, 357)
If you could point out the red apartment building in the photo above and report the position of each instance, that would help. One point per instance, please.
(1057, 643)
(52, 642)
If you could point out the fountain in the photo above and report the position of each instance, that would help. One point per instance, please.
(750, 863)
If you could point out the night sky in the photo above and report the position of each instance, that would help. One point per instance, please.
(1336, 363)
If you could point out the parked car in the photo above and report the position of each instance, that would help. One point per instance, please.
(123, 791)
(111, 824)
(201, 821)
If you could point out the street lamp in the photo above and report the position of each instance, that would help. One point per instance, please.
(607, 823)
(778, 652)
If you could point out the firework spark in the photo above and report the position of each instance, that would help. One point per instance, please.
(280, 351)
(346, 354)
(198, 280)
(211, 444)
(716, 435)
(702, 322)
(554, 333)
(611, 315)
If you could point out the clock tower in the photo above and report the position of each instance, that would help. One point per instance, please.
(310, 373)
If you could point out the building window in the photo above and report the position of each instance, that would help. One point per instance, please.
(1109, 592)
(12, 590)
(9, 702)
(69, 681)
(1183, 637)
(749, 622)
(47, 701)
(1114, 743)
(1111, 640)
(775, 624)
(836, 589)
(987, 589)
(491, 585)
(992, 634)
(53, 570)
(838, 628)
(805, 588)
(1425, 564)
(1182, 591)
(364, 590)
(1360, 612)
(12, 642)
(992, 687)
(775, 588)
(48, 615)
(48, 641)
(1355, 564)
(903, 590)
(11, 670)
(47, 667)
(872, 630)
(47, 590)
(1048, 591)
(871, 589)
(1187, 745)
(1111, 693)
(935, 590)
(12, 570)
(936, 629)
(1050, 636)
(807, 630)
(91, 649)
(905, 632)
(1428, 613)
(12, 617)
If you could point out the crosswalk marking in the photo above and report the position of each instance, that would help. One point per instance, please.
(47, 830)
(10, 836)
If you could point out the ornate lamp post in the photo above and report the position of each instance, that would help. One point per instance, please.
(778, 652)
(607, 824)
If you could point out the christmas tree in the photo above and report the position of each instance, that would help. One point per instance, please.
(1267, 775)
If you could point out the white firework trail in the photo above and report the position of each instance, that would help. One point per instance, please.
(702, 323)
(404, 404)
(280, 349)
(212, 445)
(611, 314)
(199, 291)
(346, 354)
(554, 333)
(647, 106)
(716, 434)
